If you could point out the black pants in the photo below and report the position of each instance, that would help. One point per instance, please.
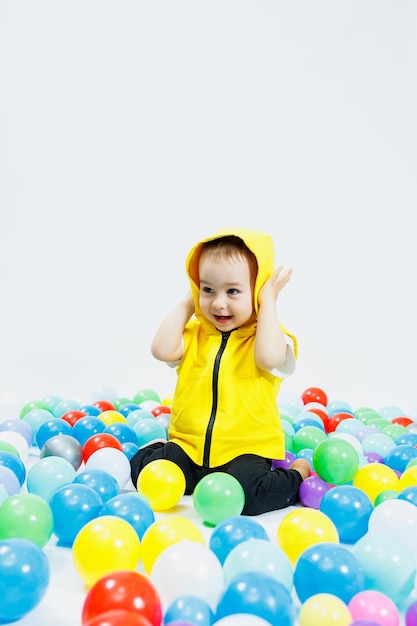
(265, 489)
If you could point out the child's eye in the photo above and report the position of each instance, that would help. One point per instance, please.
(207, 290)
(232, 292)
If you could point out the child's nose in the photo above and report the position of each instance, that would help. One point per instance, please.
(219, 301)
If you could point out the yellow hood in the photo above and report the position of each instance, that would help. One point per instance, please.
(260, 244)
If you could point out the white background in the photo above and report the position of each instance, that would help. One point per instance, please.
(129, 130)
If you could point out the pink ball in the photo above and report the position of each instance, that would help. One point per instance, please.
(374, 605)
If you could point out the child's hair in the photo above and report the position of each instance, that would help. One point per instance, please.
(232, 248)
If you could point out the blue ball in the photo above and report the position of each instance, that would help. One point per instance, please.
(49, 429)
(103, 483)
(24, 578)
(90, 409)
(86, 427)
(130, 449)
(149, 430)
(189, 609)
(349, 508)
(72, 507)
(123, 432)
(232, 531)
(133, 508)
(260, 595)
(126, 409)
(399, 457)
(13, 462)
(328, 568)
(409, 493)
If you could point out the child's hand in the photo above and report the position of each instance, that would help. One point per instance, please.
(275, 284)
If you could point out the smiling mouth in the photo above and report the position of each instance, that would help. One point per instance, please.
(222, 319)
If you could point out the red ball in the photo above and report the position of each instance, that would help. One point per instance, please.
(314, 394)
(402, 421)
(104, 405)
(118, 618)
(99, 441)
(160, 409)
(322, 415)
(73, 416)
(335, 420)
(128, 591)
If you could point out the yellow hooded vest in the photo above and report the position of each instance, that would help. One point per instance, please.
(224, 405)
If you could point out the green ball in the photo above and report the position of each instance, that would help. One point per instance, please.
(34, 404)
(26, 516)
(146, 394)
(308, 437)
(218, 496)
(335, 461)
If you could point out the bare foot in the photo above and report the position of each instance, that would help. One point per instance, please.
(302, 466)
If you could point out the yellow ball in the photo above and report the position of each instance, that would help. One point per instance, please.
(111, 416)
(408, 478)
(164, 533)
(375, 478)
(162, 482)
(302, 529)
(104, 545)
(324, 609)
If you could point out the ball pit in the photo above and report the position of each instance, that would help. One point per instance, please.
(346, 554)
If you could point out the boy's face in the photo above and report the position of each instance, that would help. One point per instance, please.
(226, 292)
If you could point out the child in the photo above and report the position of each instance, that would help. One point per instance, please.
(231, 354)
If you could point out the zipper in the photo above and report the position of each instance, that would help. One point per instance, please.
(215, 394)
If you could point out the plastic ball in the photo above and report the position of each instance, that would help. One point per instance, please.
(104, 545)
(130, 449)
(308, 437)
(14, 463)
(9, 481)
(18, 426)
(218, 496)
(112, 461)
(240, 619)
(409, 493)
(328, 568)
(24, 578)
(259, 595)
(132, 508)
(149, 430)
(64, 446)
(335, 460)
(314, 394)
(50, 429)
(312, 491)
(126, 407)
(411, 615)
(36, 417)
(123, 590)
(87, 427)
(388, 565)
(375, 478)
(112, 417)
(72, 507)
(103, 405)
(336, 419)
(18, 441)
(303, 528)
(32, 405)
(324, 609)
(146, 394)
(90, 409)
(72, 417)
(102, 482)
(378, 442)
(398, 519)
(165, 532)
(349, 508)
(408, 478)
(233, 531)
(374, 605)
(191, 608)
(118, 617)
(258, 555)
(26, 516)
(187, 568)
(122, 431)
(48, 475)
(64, 406)
(162, 482)
(284, 463)
(98, 442)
